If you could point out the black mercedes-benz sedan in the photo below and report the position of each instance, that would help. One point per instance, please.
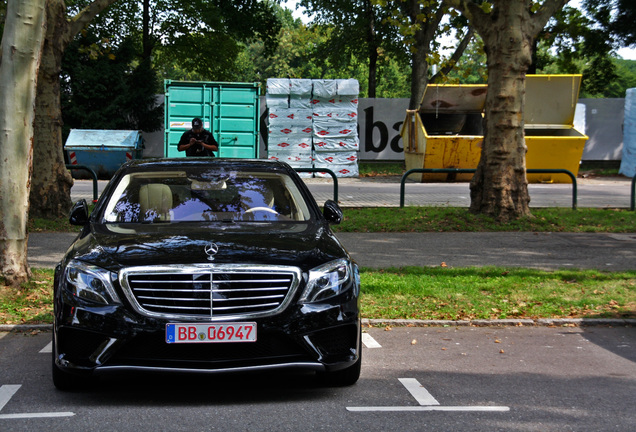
(205, 266)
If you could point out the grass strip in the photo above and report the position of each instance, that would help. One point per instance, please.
(398, 168)
(427, 293)
(452, 219)
(31, 303)
(496, 293)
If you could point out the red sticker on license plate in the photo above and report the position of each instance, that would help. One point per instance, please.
(210, 333)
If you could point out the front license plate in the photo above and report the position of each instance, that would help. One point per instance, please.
(210, 333)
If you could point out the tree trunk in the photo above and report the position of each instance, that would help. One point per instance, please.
(147, 46)
(499, 187)
(51, 182)
(21, 52)
(419, 69)
(423, 35)
(373, 49)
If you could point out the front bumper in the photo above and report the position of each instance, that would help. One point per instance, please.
(97, 339)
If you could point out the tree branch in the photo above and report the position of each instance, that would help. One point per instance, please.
(543, 15)
(477, 18)
(434, 24)
(84, 17)
(459, 51)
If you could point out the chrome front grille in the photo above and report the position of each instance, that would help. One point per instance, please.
(209, 292)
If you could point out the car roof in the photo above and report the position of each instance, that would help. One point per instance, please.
(227, 163)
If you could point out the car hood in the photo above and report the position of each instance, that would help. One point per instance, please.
(113, 246)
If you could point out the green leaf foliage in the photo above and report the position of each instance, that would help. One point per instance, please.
(105, 87)
(584, 40)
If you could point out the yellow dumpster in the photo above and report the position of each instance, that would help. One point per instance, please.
(447, 130)
(553, 141)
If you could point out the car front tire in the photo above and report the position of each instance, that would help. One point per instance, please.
(344, 377)
(63, 380)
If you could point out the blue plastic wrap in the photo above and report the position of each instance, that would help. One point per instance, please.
(628, 163)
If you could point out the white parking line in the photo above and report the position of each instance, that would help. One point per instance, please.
(7, 392)
(369, 342)
(417, 390)
(36, 415)
(427, 402)
(47, 349)
(430, 408)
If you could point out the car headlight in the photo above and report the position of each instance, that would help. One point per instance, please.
(90, 282)
(329, 280)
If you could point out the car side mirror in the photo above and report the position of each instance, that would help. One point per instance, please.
(79, 213)
(332, 212)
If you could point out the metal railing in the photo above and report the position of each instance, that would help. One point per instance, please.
(323, 170)
(472, 171)
(93, 175)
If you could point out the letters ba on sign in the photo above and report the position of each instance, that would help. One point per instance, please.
(379, 123)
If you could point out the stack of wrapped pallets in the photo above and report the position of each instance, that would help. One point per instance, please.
(335, 126)
(290, 118)
(314, 120)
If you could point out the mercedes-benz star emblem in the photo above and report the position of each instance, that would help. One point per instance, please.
(211, 250)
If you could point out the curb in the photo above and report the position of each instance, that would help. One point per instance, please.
(540, 322)
(366, 322)
(25, 327)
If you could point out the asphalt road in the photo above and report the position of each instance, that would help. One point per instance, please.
(380, 250)
(413, 379)
(365, 192)
(548, 251)
(609, 192)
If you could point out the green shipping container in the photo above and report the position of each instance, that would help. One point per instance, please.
(229, 110)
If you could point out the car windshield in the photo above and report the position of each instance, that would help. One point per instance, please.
(205, 195)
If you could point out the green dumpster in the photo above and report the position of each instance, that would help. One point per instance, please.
(229, 110)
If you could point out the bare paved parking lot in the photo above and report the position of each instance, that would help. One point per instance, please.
(413, 379)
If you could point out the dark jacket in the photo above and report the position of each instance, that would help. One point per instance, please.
(198, 149)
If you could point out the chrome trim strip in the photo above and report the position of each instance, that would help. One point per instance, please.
(225, 282)
(216, 291)
(222, 308)
(250, 289)
(192, 308)
(273, 297)
(318, 367)
(208, 270)
(181, 299)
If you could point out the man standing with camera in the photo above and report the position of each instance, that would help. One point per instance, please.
(197, 141)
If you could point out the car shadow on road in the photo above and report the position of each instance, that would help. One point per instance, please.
(191, 390)
(619, 341)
